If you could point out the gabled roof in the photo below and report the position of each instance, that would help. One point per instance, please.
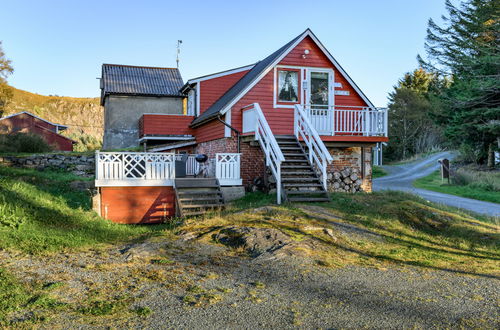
(32, 115)
(237, 91)
(140, 80)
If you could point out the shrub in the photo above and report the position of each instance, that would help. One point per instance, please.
(23, 142)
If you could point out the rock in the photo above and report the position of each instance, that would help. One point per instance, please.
(142, 250)
(354, 177)
(359, 182)
(256, 241)
(83, 167)
(336, 185)
(347, 181)
(336, 175)
(330, 233)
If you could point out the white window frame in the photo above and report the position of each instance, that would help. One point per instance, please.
(331, 85)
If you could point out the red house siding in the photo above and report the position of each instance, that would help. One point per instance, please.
(165, 125)
(137, 205)
(281, 119)
(212, 89)
(212, 130)
(25, 123)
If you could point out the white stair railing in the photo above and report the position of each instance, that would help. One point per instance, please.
(318, 154)
(268, 143)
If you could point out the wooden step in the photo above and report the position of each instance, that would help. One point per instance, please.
(296, 161)
(212, 198)
(295, 166)
(294, 179)
(304, 192)
(292, 172)
(196, 183)
(293, 185)
(197, 206)
(197, 192)
(301, 154)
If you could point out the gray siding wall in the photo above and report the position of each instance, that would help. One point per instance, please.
(122, 114)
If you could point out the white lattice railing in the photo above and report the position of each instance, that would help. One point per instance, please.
(318, 155)
(227, 169)
(117, 169)
(274, 157)
(348, 120)
(134, 168)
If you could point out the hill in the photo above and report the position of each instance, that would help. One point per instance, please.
(83, 116)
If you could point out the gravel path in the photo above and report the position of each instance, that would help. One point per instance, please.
(401, 177)
(208, 286)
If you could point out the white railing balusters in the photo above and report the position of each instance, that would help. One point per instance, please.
(227, 169)
(318, 154)
(268, 143)
(345, 120)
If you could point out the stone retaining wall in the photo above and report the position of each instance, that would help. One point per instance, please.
(82, 165)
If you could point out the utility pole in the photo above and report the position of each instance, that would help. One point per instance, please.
(179, 42)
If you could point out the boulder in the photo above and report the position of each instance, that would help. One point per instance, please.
(255, 241)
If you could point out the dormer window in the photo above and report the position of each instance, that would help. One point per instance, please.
(288, 86)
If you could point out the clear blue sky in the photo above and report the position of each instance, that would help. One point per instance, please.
(57, 47)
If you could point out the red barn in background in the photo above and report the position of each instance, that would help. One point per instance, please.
(25, 122)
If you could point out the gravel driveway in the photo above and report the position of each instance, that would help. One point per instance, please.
(401, 177)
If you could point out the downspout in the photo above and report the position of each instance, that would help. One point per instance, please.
(232, 129)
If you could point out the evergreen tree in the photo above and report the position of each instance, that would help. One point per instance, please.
(466, 48)
(412, 129)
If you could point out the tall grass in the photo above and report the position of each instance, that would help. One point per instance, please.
(486, 180)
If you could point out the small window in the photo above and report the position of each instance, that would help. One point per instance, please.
(288, 86)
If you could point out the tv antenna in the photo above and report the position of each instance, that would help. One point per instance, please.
(179, 42)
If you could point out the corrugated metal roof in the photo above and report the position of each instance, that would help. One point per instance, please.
(237, 88)
(140, 80)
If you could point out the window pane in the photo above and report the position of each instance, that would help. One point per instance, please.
(319, 88)
(288, 86)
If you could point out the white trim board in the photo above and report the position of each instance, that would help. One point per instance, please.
(173, 146)
(220, 74)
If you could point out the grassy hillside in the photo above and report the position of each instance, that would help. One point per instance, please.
(84, 116)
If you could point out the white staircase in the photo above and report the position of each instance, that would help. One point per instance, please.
(299, 169)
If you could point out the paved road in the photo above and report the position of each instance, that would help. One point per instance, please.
(401, 177)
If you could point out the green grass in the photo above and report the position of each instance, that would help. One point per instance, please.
(378, 172)
(40, 213)
(407, 229)
(474, 189)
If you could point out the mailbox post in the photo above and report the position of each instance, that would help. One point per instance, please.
(445, 169)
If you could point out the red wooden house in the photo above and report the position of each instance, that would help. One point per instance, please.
(295, 118)
(26, 122)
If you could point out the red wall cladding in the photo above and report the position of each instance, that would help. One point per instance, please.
(137, 205)
(281, 119)
(165, 125)
(213, 89)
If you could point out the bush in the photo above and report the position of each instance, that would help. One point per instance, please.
(22, 142)
(85, 142)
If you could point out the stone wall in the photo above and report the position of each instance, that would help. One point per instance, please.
(82, 165)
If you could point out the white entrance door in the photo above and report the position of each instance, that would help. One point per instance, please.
(320, 100)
